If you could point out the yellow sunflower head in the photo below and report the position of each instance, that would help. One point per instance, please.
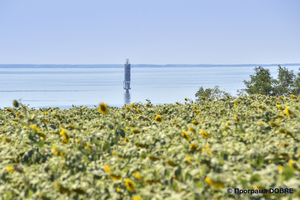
(106, 168)
(136, 198)
(287, 111)
(129, 184)
(103, 108)
(193, 147)
(204, 134)
(186, 135)
(158, 118)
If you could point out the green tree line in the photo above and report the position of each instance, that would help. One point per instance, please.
(261, 82)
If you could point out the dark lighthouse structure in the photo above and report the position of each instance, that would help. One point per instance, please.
(126, 83)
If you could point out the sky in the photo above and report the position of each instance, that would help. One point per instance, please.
(149, 32)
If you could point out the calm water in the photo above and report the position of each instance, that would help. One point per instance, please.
(62, 87)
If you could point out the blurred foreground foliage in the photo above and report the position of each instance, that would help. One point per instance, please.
(194, 150)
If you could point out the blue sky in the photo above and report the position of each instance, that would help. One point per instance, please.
(149, 32)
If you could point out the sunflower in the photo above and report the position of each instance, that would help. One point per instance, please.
(286, 132)
(127, 107)
(158, 118)
(115, 177)
(273, 125)
(15, 103)
(6, 139)
(35, 128)
(189, 159)
(8, 109)
(138, 176)
(186, 135)
(106, 168)
(136, 131)
(61, 189)
(71, 126)
(136, 198)
(293, 97)
(139, 111)
(260, 106)
(287, 111)
(129, 184)
(10, 169)
(214, 183)
(195, 122)
(294, 165)
(42, 135)
(58, 152)
(236, 118)
(191, 129)
(17, 114)
(204, 134)
(66, 139)
(193, 147)
(102, 108)
(153, 158)
(171, 163)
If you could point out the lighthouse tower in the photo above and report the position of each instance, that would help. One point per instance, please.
(126, 83)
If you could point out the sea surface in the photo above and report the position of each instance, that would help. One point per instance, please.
(87, 85)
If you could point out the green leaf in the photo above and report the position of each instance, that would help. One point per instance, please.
(41, 143)
(260, 160)
(29, 193)
(106, 146)
(199, 184)
(8, 195)
(255, 178)
(120, 132)
(86, 159)
(288, 173)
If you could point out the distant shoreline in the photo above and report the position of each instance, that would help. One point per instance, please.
(136, 65)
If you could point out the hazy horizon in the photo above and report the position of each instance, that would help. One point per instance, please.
(170, 64)
(60, 86)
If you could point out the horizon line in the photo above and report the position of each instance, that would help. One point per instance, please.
(155, 64)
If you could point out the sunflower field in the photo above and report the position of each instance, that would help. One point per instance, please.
(191, 150)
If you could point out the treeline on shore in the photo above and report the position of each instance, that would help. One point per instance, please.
(286, 84)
